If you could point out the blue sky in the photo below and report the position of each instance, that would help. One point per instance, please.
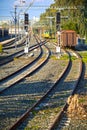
(7, 8)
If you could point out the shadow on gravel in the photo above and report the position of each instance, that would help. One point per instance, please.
(82, 87)
(16, 100)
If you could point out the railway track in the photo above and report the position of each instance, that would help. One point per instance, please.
(12, 44)
(33, 68)
(36, 104)
(45, 103)
(24, 71)
(19, 52)
(8, 55)
(48, 102)
(62, 120)
(28, 60)
(7, 42)
(78, 118)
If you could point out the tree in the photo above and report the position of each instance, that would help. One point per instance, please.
(77, 17)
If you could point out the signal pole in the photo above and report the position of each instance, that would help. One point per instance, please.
(50, 24)
(15, 20)
(58, 48)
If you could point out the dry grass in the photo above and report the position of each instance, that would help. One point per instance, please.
(77, 106)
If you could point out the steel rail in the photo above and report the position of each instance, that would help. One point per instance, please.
(20, 43)
(60, 115)
(7, 42)
(21, 71)
(39, 65)
(32, 48)
(10, 42)
(16, 54)
(26, 114)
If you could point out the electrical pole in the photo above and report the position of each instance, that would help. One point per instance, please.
(50, 24)
(15, 23)
(58, 48)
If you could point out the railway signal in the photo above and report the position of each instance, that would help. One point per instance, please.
(26, 21)
(26, 18)
(58, 18)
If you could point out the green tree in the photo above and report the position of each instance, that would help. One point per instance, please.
(77, 17)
